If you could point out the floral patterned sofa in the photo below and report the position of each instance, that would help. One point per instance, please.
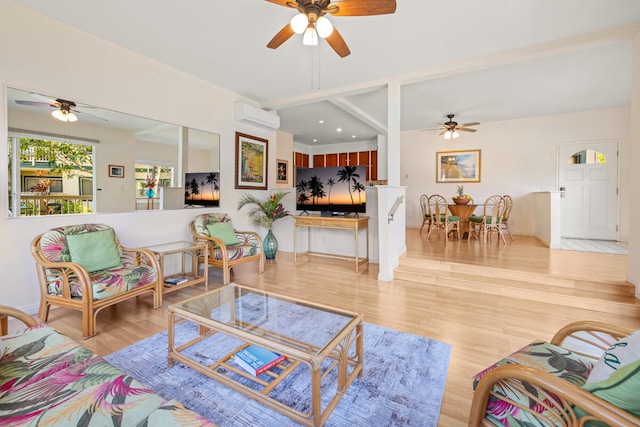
(227, 246)
(588, 375)
(84, 267)
(46, 379)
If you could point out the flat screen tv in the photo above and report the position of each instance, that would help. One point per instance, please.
(331, 189)
(202, 189)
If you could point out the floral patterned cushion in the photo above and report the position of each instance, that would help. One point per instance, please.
(539, 355)
(54, 242)
(233, 251)
(105, 283)
(48, 380)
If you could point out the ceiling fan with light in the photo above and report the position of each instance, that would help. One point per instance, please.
(64, 110)
(311, 20)
(450, 128)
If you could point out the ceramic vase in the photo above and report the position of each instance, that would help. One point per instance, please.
(270, 245)
(150, 193)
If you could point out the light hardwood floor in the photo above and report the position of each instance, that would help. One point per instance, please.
(481, 327)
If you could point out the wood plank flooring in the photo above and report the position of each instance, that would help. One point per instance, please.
(482, 327)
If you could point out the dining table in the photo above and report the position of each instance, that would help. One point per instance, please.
(464, 212)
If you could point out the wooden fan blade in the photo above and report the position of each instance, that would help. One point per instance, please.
(363, 8)
(280, 2)
(466, 129)
(443, 132)
(87, 114)
(285, 34)
(338, 44)
(470, 124)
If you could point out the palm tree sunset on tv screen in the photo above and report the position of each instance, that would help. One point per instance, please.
(335, 189)
(202, 189)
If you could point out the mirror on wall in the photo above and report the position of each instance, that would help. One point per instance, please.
(72, 158)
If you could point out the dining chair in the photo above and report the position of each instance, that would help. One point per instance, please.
(426, 218)
(441, 220)
(490, 220)
(504, 224)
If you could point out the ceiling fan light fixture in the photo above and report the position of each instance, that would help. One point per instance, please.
(64, 115)
(310, 37)
(455, 134)
(447, 134)
(324, 27)
(299, 23)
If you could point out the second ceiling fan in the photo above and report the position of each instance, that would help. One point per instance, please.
(311, 20)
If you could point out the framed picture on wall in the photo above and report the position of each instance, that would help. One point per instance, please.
(116, 171)
(251, 162)
(458, 166)
(282, 170)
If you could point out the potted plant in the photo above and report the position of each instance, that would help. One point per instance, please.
(264, 213)
(461, 198)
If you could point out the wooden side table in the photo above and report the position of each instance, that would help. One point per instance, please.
(353, 224)
(191, 277)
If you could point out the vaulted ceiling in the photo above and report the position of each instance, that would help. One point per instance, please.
(482, 60)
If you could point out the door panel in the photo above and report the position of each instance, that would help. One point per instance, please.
(590, 201)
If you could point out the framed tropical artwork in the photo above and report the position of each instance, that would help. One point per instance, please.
(251, 162)
(458, 166)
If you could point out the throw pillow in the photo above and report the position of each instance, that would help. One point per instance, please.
(625, 351)
(223, 231)
(622, 389)
(95, 250)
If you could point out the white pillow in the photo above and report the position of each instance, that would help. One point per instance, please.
(3, 348)
(625, 351)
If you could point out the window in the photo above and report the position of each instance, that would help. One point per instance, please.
(45, 170)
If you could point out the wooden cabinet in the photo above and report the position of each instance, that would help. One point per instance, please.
(366, 158)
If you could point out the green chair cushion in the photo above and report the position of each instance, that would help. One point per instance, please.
(454, 218)
(223, 231)
(95, 250)
(622, 389)
(475, 218)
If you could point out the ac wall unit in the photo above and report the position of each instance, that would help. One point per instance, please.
(254, 115)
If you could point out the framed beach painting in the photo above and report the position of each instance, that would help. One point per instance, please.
(458, 166)
(251, 162)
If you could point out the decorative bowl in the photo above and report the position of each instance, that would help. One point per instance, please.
(461, 200)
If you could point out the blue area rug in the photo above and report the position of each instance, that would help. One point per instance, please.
(403, 383)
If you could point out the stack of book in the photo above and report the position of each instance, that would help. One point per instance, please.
(175, 280)
(257, 360)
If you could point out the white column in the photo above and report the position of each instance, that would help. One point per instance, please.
(393, 135)
(633, 274)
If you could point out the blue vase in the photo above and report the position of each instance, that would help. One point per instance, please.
(150, 193)
(270, 245)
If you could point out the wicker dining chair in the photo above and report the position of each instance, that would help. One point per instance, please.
(490, 220)
(426, 218)
(504, 224)
(441, 220)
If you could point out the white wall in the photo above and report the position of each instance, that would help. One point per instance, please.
(631, 187)
(55, 59)
(518, 158)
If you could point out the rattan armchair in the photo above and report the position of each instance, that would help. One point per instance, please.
(225, 256)
(68, 284)
(550, 399)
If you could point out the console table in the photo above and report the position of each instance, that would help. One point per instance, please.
(352, 224)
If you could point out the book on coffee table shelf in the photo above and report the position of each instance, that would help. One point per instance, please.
(175, 280)
(257, 360)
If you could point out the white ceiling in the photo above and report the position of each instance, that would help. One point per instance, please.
(484, 60)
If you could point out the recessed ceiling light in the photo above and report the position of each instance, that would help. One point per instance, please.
(315, 140)
(353, 136)
(339, 130)
(320, 121)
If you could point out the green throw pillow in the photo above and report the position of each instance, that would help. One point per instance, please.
(223, 231)
(95, 250)
(621, 389)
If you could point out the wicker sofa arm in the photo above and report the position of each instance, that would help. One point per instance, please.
(556, 395)
(6, 312)
(589, 338)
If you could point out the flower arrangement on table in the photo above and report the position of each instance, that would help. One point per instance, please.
(461, 198)
(264, 213)
(150, 185)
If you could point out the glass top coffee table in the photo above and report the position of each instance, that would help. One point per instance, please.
(323, 346)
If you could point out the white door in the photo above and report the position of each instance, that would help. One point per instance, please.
(588, 173)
